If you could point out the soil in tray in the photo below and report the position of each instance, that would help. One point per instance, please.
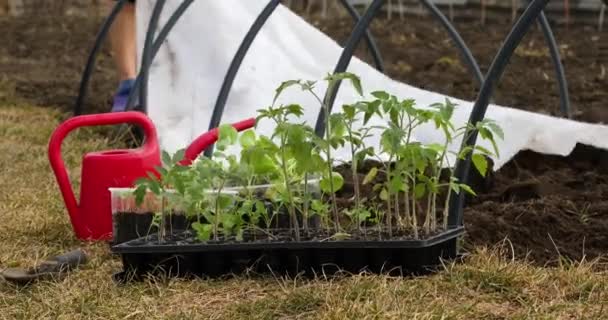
(282, 236)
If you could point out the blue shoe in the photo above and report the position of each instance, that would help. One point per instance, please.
(122, 95)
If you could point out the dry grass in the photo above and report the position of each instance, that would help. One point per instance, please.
(35, 225)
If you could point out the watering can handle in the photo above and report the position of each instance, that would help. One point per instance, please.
(71, 124)
(208, 138)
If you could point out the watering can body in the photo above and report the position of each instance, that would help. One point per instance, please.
(91, 218)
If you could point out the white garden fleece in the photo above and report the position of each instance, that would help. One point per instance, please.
(187, 73)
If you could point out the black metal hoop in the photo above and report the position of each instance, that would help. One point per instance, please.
(146, 60)
(369, 39)
(460, 44)
(162, 36)
(480, 107)
(345, 58)
(560, 74)
(222, 99)
(237, 60)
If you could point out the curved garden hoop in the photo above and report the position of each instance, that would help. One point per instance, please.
(531, 14)
(151, 48)
(254, 30)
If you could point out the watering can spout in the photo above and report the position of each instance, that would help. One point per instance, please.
(207, 139)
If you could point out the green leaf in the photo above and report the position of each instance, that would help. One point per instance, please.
(295, 109)
(384, 194)
(480, 163)
(227, 134)
(371, 175)
(342, 236)
(224, 201)
(381, 95)
(467, 189)
(203, 231)
(162, 171)
(496, 129)
(166, 158)
(154, 186)
(455, 187)
(282, 87)
(419, 190)
(140, 193)
(354, 80)
(483, 150)
(179, 155)
(349, 111)
(228, 221)
(363, 214)
(247, 139)
(396, 184)
(180, 186)
(337, 181)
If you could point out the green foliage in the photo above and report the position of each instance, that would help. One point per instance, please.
(287, 161)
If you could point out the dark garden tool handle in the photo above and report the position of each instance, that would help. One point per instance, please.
(480, 107)
(204, 141)
(74, 123)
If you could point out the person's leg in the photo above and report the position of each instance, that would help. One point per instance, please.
(124, 49)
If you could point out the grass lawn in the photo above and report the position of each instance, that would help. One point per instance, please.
(35, 225)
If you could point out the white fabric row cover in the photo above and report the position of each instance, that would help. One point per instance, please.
(187, 73)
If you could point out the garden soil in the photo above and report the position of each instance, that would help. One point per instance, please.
(543, 205)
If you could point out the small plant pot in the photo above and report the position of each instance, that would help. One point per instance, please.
(131, 221)
(312, 258)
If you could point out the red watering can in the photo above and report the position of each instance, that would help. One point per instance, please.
(92, 217)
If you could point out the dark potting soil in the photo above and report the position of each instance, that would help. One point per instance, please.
(282, 236)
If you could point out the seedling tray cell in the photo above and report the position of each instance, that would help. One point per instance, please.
(309, 258)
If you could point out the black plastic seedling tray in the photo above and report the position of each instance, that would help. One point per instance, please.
(309, 258)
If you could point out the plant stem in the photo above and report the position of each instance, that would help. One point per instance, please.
(389, 212)
(305, 205)
(427, 218)
(334, 206)
(161, 224)
(398, 211)
(446, 209)
(218, 212)
(354, 168)
(291, 208)
(408, 216)
(434, 212)
(414, 218)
